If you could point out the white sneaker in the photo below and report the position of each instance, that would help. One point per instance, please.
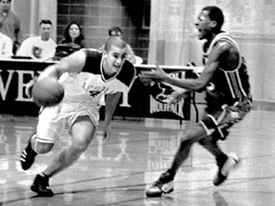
(232, 162)
(163, 185)
(157, 189)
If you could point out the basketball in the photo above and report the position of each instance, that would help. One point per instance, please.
(47, 92)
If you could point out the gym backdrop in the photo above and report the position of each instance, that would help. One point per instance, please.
(16, 75)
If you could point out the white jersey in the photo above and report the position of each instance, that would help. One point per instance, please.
(83, 95)
(88, 88)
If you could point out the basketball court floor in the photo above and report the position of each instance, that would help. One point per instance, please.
(117, 172)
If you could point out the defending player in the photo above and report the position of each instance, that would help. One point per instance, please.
(228, 99)
(86, 76)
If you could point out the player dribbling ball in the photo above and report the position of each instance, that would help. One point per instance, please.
(47, 92)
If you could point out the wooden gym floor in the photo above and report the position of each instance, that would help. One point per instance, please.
(116, 173)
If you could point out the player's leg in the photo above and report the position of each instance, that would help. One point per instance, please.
(225, 162)
(164, 184)
(83, 131)
(43, 140)
(216, 125)
(48, 129)
(32, 149)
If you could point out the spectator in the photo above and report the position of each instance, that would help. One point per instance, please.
(116, 31)
(73, 40)
(40, 47)
(73, 34)
(5, 46)
(10, 24)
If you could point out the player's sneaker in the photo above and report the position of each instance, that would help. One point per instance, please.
(163, 185)
(27, 156)
(40, 185)
(231, 162)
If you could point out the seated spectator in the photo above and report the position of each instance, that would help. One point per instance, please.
(73, 34)
(116, 31)
(5, 46)
(10, 24)
(40, 47)
(73, 40)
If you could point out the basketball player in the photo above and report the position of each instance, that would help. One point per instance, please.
(228, 99)
(116, 31)
(86, 76)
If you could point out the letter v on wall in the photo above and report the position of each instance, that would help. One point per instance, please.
(5, 87)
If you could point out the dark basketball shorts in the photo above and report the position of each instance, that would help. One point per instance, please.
(217, 123)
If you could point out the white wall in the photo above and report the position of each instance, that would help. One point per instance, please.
(31, 11)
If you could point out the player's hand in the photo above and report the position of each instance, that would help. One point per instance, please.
(176, 96)
(29, 87)
(106, 132)
(155, 74)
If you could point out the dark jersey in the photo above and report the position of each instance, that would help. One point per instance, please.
(230, 82)
(93, 65)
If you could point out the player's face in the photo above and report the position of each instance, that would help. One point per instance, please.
(113, 59)
(203, 25)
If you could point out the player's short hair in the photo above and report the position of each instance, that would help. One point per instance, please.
(114, 41)
(45, 21)
(216, 14)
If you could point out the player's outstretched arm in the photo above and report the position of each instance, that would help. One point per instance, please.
(111, 102)
(212, 64)
(72, 63)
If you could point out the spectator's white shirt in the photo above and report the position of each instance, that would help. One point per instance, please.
(36, 48)
(5, 46)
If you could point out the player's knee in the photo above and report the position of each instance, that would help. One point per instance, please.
(81, 145)
(186, 139)
(185, 144)
(207, 141)
(190, 136)
(42, 148)
(203, 141)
